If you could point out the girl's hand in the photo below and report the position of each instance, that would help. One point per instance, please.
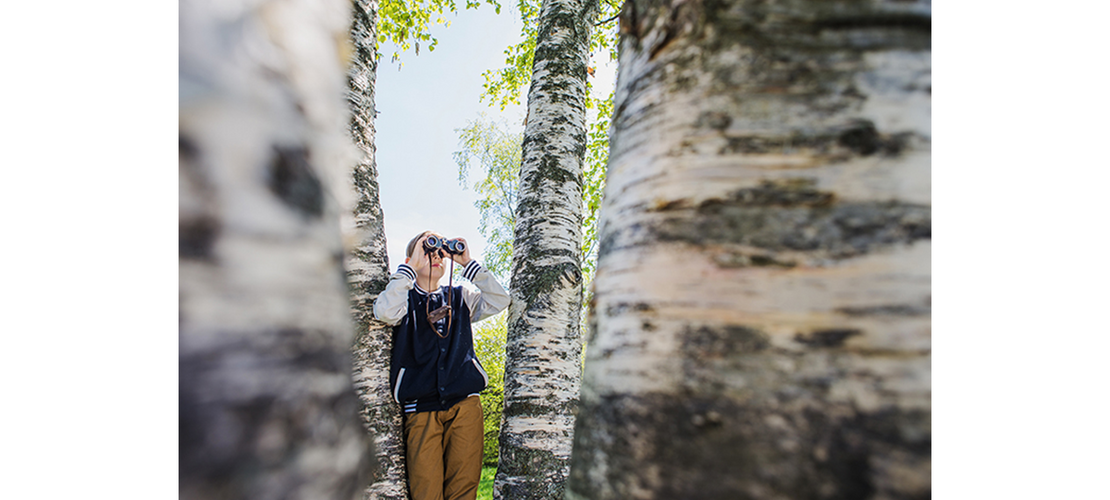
(419, 260)
(462, 258)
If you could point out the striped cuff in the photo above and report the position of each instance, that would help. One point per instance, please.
(407, 271)
(471, 270)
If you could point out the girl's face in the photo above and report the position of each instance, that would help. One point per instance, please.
(437, 261)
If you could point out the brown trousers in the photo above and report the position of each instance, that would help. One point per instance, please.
(444, 451)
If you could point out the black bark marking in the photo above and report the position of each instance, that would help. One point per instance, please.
(669, 29)
(798, 192)
(886, 310)
(549, 170)
(736, 259)
(714, 120)
(877, 20)
(856, 138)
(187, 149)
(822, 27)
(622, 307)
(196, 234)
(833, 337)
(196, 237)
(627, 24)
(293, 179)
(706, 342)
(863, 138)
(786, 215)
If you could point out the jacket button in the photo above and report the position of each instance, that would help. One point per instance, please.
(442, 389)
(442, 349)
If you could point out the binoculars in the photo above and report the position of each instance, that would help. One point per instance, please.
(454, 247)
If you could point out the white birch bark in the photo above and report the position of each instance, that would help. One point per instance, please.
(543, 350)
(368, 269)
(762, 322)
(267, 407)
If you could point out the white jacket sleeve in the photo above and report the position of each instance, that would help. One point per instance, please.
(490, 298)
(392, 304)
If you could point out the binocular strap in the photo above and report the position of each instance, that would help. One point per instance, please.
(445, 309)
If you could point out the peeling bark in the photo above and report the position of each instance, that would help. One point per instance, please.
(368, 268)
(543, 351)
(267, 407)
(762, 296)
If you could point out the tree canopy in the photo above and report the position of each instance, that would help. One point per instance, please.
(406, 23)
(503, 86)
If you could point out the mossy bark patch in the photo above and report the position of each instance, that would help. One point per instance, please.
(543, 279)
(530, 473)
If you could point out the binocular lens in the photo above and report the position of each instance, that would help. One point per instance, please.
(451, 246)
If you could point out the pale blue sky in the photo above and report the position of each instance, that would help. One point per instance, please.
(420, 107)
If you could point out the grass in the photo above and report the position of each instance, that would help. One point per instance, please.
(485, 487)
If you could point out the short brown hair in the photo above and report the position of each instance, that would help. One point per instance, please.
(412, 243)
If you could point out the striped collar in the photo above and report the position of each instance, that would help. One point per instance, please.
(421, 291)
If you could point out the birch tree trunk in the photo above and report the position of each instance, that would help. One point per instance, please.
(267, 407)
(763, 287)
(368, 269)
(543, 350)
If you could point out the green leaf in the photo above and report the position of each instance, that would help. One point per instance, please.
(400, 21)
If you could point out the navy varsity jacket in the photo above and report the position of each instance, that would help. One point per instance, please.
(432, 369)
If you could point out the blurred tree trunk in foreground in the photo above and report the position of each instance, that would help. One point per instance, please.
(368, 268)
(543, 350)
(267, 408)
(762, 322)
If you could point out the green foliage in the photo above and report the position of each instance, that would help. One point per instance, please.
(406, 23)
(497, 152)
(593, 183)
(485, 485)
(503, 86)
(605, 35)
(489, 344)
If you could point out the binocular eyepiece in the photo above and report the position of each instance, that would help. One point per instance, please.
(454, 247)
